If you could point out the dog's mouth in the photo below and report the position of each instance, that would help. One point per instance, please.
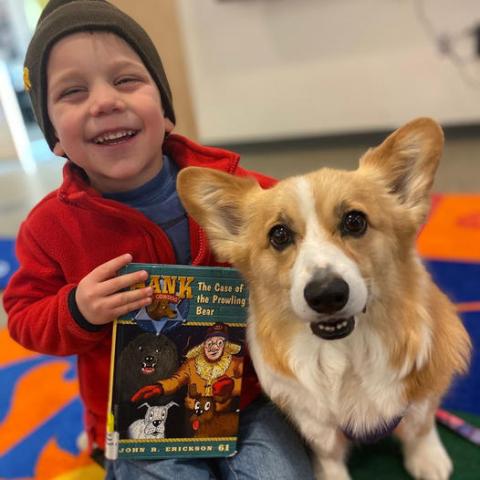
(333, 329)
(148, 369)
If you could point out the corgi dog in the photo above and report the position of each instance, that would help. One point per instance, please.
(348, 333)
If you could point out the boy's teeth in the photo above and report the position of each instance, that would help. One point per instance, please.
(113, 136)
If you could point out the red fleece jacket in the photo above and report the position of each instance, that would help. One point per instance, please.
(69, 233)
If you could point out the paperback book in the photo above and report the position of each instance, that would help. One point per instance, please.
(176, 370)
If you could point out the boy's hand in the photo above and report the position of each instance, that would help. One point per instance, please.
(99, 294)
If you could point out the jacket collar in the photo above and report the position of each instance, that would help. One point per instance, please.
(180, 149)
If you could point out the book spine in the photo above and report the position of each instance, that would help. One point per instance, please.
(112, 436)
(111, 446)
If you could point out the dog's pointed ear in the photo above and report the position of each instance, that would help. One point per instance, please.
(216, 201)
(407, 161)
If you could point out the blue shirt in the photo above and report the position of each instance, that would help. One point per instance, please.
(158, 200)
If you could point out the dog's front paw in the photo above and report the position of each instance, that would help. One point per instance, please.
(331, 470)
(429, 462)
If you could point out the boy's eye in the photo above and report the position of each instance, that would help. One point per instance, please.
(124, 80)
(70, 91)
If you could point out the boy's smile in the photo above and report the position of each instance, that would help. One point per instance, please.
(114, 138)
(106, 110)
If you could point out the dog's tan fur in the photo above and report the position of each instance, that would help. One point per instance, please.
(406, 345)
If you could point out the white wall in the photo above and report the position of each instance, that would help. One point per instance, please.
(267, 69)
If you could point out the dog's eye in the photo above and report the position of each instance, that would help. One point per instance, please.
(140, 348)
(280, 237)
(354, 223)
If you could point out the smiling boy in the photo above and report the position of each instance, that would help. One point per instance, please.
(101, 97)
(117, 135)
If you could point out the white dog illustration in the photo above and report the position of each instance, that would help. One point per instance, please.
(153, 425)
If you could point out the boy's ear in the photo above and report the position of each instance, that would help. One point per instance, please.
(216, 201)
(406, 163)
(58, 150)
(169, 125)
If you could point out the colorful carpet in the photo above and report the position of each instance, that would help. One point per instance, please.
(8, 261)
(41, 414)
(40, 417)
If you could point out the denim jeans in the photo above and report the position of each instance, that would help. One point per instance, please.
(268, 449)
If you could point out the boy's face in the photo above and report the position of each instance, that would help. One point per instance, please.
(106, 110)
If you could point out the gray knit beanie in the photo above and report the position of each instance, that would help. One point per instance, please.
(64, 17)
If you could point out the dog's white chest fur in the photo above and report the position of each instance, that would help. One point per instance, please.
(346, 382)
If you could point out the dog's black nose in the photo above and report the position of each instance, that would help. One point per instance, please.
(327, 295)
(149, 358)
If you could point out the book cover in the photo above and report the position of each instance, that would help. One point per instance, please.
(177, 364)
